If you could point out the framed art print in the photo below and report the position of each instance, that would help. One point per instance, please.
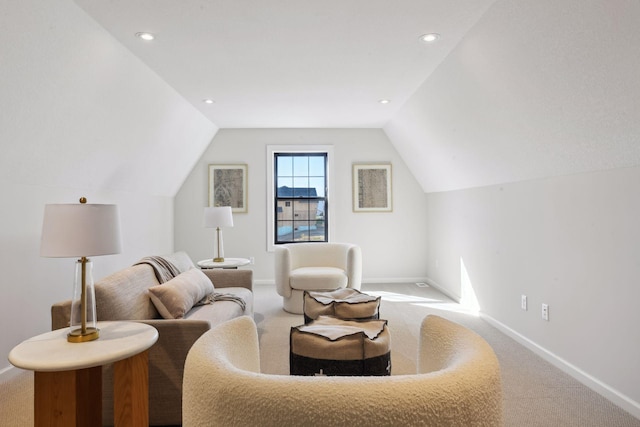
(372, 187)
(228, 186)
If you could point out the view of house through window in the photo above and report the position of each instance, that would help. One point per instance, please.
(300, 197)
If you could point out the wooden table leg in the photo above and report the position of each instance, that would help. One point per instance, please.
(131, 391)
(68, 398)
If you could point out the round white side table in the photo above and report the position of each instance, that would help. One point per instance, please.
(227, 263)
(68, 376)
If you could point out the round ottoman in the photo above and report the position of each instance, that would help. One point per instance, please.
(345, 303)
(332, 346)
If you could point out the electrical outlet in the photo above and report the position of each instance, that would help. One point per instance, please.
(545, 312)
(523, 302)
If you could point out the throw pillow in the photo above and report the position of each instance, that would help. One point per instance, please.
(175, 298)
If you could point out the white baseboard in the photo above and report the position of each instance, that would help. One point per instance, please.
(593, 383)
(583, 377)
(364, 281)
(264, 282)
(394, 280)
(434, 284)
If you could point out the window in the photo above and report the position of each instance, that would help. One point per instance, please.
(300, 202)
(271, 184)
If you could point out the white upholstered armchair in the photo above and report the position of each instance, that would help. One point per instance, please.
(315, 267)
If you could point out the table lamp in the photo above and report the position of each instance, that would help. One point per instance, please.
(216, 217)
(81, 230)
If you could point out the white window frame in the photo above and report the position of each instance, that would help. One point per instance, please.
(271, 151)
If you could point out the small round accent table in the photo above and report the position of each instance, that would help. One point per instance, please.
(68, 376)
(227, 263)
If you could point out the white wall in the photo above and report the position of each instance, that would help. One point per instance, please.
(30, 284)
(391, 251)
(571, 242)
(80, 116)
(535, 90)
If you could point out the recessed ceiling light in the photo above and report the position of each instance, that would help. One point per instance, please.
(384, 101)
(208, 101)
(429, 38)
(145, 36)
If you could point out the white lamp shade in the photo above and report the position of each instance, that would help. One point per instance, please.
(80, 230)
(219, 216)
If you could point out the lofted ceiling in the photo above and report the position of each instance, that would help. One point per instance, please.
(291, 63)
(511, 91)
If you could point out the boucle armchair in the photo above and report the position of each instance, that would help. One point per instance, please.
(458, 384)
(315, 266)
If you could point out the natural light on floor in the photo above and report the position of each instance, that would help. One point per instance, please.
(450, 306)
(395, 297)
(433, 303)
(433, 298)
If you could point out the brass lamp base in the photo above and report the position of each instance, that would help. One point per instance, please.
(218, 260)
(77, 336)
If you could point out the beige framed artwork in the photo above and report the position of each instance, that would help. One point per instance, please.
(228, 186)
(372, 187)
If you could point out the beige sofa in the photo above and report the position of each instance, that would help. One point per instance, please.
(125, 295)
(458, 384)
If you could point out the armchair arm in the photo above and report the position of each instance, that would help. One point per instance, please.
(166, 369)
(354, 267)
(282, 270)
(60, 315)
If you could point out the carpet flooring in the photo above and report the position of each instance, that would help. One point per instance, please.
(535, 392)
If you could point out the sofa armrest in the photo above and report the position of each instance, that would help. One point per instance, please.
(166, 369)
(227, 277)
(60, 315)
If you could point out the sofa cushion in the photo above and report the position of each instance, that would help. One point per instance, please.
(318, 278)
(221, 311)
(123, 294)
(180, 260)
(175, 298)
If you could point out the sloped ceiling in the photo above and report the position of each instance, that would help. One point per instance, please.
(512, 90)
(291, 63)
(536, 89)
(79, 111)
